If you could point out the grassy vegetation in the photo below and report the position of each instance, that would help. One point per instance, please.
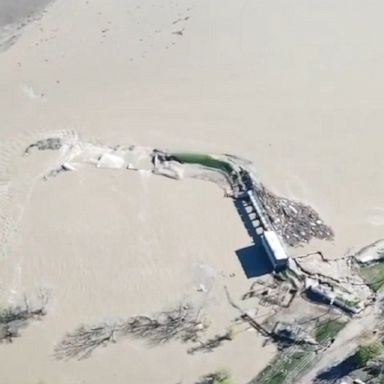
(205, 160)
(368, 352)
(328, 330)
(288, 274)
(284, 368)
(373, 275)
(349, 303)
(223, 381)
(226, 380)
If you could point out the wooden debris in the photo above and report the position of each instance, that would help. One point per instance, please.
(295, 222)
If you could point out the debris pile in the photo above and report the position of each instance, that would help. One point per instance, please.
(297, 223)
(286, 334)
(372, 253)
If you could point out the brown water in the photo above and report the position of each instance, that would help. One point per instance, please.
(296, 87)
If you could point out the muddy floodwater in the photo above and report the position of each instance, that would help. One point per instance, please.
(294, 87)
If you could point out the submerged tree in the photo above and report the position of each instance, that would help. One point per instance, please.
(219, 377)
(84, 340)
(211, 344)
(14, 318)
(181, 323)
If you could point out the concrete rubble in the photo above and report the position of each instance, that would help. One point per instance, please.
(371, 253)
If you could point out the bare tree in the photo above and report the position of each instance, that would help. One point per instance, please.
(181, 323)
(84, 340)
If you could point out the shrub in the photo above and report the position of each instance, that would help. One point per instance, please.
(366, 353)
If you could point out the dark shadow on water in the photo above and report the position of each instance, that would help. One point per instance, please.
(242, 209)
(338, 371)
(254, 261)
(253, 258)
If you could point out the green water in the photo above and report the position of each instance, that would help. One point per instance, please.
(204, 160)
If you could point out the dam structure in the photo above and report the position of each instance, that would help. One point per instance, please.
(264, 229)
(242, 185)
